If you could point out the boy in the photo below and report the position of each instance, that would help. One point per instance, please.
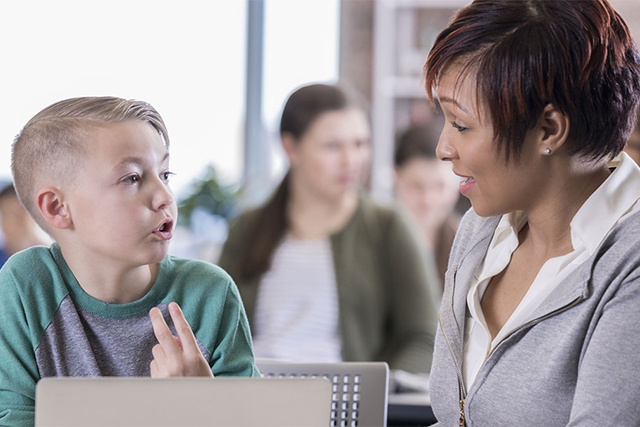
(93, 173)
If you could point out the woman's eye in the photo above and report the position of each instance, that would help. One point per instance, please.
(458, 127)
(332, 145)
(362, 143)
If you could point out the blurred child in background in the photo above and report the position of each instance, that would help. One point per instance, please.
(18, 228)
(428, 190)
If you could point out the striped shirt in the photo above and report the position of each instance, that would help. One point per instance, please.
(296, 315)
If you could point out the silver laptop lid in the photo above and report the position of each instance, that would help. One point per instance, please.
(121, 401)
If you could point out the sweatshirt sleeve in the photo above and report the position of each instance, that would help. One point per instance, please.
(30, 293)
(18, 369)
(609, 365)
(233, 352)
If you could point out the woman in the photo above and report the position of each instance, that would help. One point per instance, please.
(325, 274)
(428, 190)
(539, 319)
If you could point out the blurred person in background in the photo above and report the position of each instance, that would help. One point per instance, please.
(326, 274)
(19, 230)
(428, 190)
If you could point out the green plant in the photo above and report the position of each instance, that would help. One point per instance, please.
(209, 194)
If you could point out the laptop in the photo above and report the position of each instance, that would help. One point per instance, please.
(218, 402)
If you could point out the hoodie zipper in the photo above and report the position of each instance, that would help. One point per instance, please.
(462, 394)
(461, 388)
(545, 317)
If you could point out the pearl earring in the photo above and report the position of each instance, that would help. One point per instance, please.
(547, 151)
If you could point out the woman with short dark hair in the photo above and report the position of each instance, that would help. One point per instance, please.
(539, 320)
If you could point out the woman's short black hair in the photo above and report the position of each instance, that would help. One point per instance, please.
(578, 56)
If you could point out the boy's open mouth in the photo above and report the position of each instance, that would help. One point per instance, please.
(165, 230)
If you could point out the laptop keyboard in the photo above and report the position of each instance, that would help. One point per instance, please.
(345, 399)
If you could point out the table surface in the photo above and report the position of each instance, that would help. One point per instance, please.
(409, 409)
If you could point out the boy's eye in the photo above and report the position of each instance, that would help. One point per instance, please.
(458, 127)
(166, 175)
(131, 179)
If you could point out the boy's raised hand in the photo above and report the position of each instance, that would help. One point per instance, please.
(176, 356)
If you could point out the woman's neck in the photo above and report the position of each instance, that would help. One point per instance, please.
(312, 217)
(549, 222)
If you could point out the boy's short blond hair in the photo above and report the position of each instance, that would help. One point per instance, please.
(52, 143)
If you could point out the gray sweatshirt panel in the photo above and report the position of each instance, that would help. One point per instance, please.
(79, 343)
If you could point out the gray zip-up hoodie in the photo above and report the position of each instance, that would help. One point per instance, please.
(575, 362)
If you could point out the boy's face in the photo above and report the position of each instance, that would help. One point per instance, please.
(122, 209)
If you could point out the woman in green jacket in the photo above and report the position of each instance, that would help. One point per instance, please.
(325, 273)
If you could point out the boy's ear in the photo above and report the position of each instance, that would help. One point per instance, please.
(52, 207)
(554, 126)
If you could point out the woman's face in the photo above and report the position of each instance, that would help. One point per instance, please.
(332, 156)
(495, 187)
(428, 189)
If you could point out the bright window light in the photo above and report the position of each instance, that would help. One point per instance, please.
(301, 46)
(186, 58)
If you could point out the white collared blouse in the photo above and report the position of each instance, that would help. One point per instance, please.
(610, 204)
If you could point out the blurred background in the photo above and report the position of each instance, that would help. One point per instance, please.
(218, 71)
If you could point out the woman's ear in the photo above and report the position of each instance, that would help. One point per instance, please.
(289, 143)
(52, 207)
(554, 126)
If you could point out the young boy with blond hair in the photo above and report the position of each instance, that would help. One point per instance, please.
(105, 299)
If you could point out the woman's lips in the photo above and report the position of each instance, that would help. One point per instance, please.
(466, 184)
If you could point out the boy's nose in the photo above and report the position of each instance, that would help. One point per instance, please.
(162, 198)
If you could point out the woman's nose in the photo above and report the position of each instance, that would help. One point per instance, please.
(445, 150)
(354, 156)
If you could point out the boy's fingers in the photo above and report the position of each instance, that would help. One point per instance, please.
(178, 342)
(163, 333)
(159, 355)
(185, 334)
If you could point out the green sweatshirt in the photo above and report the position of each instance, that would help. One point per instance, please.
(50, 327)
(388, 292)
